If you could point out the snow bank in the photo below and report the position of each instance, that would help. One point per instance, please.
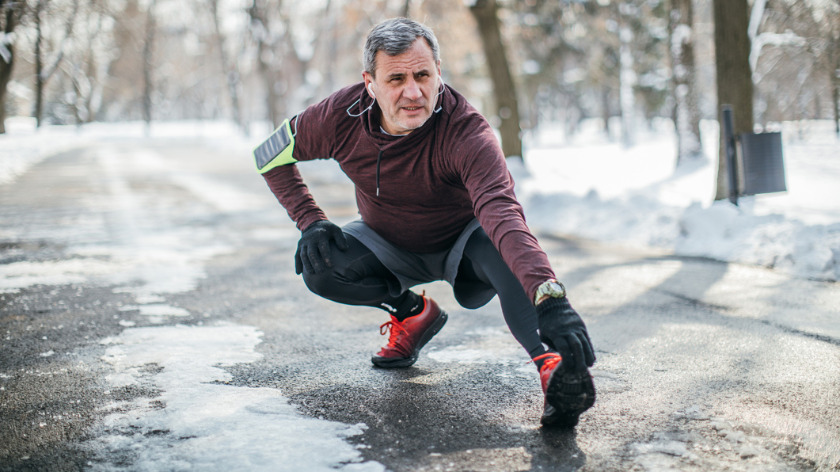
(635, 196)
(729, 233)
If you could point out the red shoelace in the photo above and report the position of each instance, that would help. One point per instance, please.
(551, 360)
(396, 328)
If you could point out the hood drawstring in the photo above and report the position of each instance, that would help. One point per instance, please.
(378, 160)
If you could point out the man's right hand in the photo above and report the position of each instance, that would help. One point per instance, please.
(562, 329)
(313, 251)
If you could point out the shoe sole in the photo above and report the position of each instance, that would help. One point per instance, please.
(393, 363)
(568, 395)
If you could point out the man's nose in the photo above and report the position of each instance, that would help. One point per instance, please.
(412, 90)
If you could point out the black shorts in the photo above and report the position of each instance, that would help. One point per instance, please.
(412, 268)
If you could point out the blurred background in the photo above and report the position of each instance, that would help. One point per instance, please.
(522, 63)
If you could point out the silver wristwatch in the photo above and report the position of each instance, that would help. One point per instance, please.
(550, 288)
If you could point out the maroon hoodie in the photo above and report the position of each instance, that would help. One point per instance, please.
(417, 191)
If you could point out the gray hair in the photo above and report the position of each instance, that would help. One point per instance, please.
(395, 36)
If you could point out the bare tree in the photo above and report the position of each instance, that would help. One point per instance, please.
(228, 68)
(833, 63)
(10, 15)
(548, 59)
(814, 28)
(93, 54)
(684, 80)
(603, 68)
(43, 72)
(261, 35)
(734, 76)
(504, 90)
(622, 47)
(627, 75)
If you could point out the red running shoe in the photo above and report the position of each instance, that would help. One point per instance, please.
(409, 336)
(567, 394)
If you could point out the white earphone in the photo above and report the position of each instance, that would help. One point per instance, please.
(373, 95)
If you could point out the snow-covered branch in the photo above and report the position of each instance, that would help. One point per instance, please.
(6, 40)
(788, 38)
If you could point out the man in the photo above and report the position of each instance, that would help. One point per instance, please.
(437, 203)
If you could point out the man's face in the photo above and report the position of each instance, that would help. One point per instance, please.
(406, 87)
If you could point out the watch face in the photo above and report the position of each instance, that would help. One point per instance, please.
(557, 290)
(552, 289)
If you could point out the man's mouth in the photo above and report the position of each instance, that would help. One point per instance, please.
(412, 108)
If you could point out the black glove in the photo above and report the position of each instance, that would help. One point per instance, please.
(562, 329)
(313, 251)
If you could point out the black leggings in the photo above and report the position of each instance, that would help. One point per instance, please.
(359, 278)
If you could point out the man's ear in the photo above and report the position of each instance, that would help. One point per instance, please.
(368, 84)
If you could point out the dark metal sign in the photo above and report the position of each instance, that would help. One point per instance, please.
(764, 167)
(760, 158)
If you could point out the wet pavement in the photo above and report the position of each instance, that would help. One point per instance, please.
(701, 365)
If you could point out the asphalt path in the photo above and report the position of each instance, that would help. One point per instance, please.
(702, 365)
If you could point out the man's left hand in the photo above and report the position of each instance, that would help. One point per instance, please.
(562, 329)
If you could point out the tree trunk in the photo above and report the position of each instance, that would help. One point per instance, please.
(734, 77)
(835, 89)
(9, 15)
(835, 95)
(39, 65)
(684, 78)
(260, 31)
(148, 63)
(605, 109)
(86, 76)
(504, 90)
(5, 77)
(627, 84)
(231, 74)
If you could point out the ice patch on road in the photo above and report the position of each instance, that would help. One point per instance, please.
(18, 275)
(157, 312)
(157, 264)
(158, 309)
(198, 422)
